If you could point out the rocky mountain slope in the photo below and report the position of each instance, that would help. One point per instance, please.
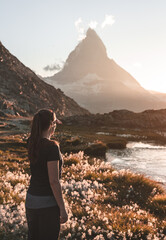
(148, 119)
(22, 92)
(98, 83)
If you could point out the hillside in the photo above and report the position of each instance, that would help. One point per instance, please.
(22, 92)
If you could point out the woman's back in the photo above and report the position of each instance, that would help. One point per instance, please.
(39, 184)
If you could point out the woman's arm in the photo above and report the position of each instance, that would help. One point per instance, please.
(53, 173)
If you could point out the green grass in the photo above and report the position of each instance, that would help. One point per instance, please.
(70, 161)
(96, 149)
(88, 134)
(157, 205)
(129, 188)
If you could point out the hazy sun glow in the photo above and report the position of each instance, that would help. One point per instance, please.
(132, 31)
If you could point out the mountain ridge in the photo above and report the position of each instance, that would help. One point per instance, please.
(98, 83)
(22, 92)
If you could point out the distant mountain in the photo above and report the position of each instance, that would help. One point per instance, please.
(22, 92)
(148, 119)
(159, 95)
(99, 83)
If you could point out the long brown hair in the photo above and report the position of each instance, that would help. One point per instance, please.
(41, 122)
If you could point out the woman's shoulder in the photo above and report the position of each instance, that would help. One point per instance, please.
(53, 142)
(46, 142)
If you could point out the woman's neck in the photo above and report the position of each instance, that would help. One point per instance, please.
(46, 136)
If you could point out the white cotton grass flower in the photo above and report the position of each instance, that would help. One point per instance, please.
(81, 196)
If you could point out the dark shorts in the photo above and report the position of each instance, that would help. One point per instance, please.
(43, 223)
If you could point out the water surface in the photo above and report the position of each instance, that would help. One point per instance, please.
(141, 157)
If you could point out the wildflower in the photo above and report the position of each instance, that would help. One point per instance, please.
(89, 231)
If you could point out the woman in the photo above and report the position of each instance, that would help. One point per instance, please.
(45, 208)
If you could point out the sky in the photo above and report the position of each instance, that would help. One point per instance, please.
(42, 33)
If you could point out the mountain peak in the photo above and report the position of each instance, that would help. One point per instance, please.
(91, 33)
(94, 41)
(90, 50)
(98, 83)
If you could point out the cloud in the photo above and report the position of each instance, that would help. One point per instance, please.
(55, 67)
(77, 22)
(109, 20)
(80, 29)
(93, 24)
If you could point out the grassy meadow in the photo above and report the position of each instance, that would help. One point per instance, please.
(102, 203)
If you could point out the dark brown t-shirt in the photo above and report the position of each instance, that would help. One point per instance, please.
(39, 182)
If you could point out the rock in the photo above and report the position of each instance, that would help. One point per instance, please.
(149, 119)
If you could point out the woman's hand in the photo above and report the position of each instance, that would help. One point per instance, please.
(63, 216)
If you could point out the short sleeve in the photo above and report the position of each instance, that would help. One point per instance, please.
(53, 153)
